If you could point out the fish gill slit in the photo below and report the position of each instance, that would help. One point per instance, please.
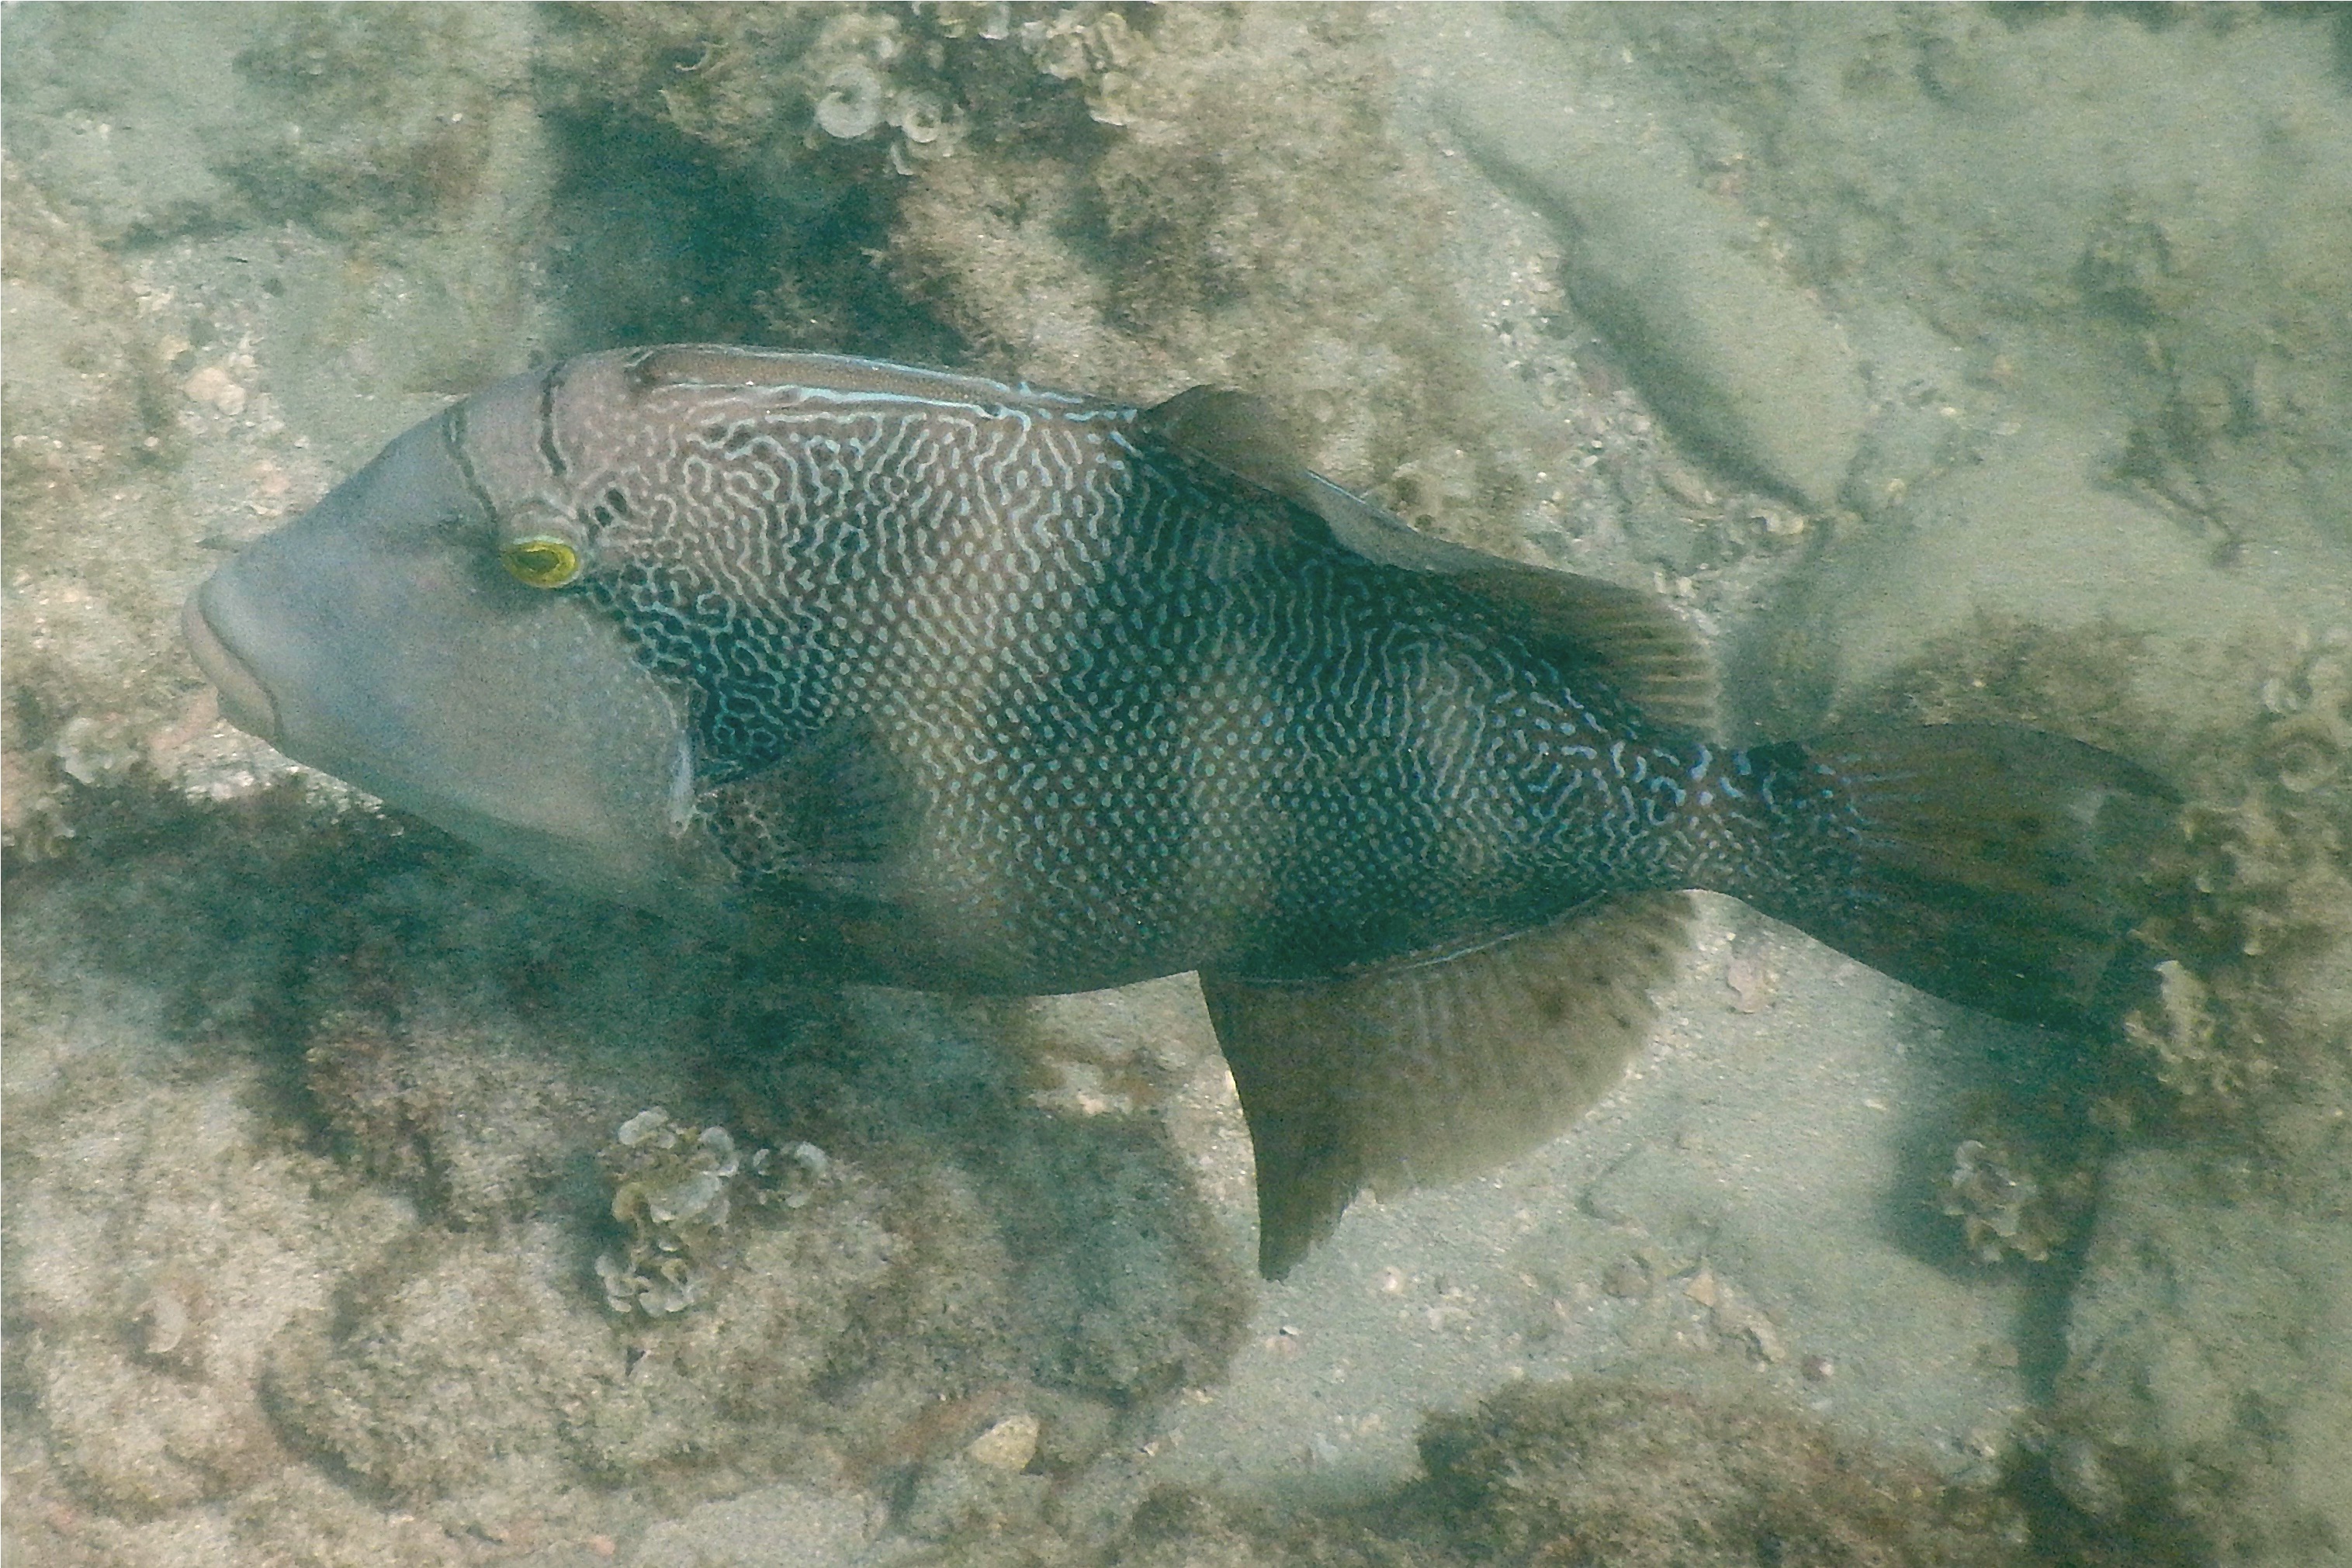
(550, 385)
(454, 438)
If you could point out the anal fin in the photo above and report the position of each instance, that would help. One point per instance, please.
(1434, 1068)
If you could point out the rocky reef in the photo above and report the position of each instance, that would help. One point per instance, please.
(366, 1205)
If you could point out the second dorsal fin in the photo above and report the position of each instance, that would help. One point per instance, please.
(1628, 638)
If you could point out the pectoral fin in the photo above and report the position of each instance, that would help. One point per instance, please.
(833, 819)
(1434, 1067)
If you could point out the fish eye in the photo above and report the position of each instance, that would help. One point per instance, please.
(541, 562)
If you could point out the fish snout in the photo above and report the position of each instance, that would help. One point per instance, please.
(244, 702)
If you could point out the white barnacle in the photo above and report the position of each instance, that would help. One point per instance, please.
(1110, 42)
(920, 116)
(719, 1148)
(621, 1285)
(702, 1195)
(642, 1126)
(852, 105)
(167, 1318)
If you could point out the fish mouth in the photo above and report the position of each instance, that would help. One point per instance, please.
(244, 702)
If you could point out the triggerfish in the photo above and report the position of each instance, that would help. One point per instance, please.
(939, 683)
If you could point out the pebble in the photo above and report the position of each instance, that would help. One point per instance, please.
(1007, 1446)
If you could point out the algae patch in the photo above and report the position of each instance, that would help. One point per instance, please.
(1638, 1474)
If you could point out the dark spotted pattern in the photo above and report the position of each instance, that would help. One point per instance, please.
(1088, 708)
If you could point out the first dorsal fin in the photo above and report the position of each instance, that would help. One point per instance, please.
(1434, 1067)
(1630, 639)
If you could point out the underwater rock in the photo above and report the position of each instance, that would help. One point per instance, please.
(1639, 1474)
(363, 139)
(462, 1036)
(824, 1528)
(1240, 227)
(1180, 1528)
(1008, 1445)
(2028, 537)
(1618, 1470)
(317, 116)
(372, 1383)
(963, 1247)
(2205, 1410)
(91, 678)
(147, 1271)
(475, 1122)
(203, 1310)
(1741, 362)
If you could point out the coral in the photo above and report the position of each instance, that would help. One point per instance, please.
(2184, 1040)
(860, 73)
(2306, 733)
(1092, 45)
(2004, 1205)
(671, 1186)
(777, 92)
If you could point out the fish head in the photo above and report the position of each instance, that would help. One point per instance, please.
(403, 636)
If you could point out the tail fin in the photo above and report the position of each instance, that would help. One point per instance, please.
(1987, 865)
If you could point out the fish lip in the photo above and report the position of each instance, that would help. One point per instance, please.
(244, 702)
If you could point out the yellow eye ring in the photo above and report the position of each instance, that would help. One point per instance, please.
(541, 562)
